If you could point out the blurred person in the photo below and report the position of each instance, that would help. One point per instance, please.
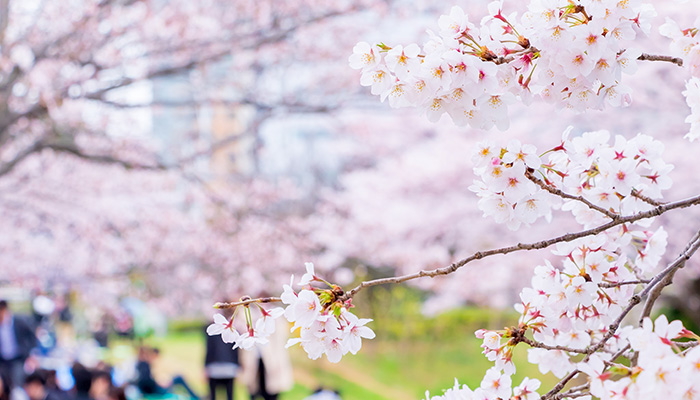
(101, 385)
(53, 387)
(65, 333)
(145, 381)
(35, 387)
(17, 339)
(83, 381)
(267, 371)
(7, 392)
(117, 393)
(220, 366)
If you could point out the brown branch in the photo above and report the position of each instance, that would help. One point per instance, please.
(551, 189)
(646, 199)
(578, 391)
(651, 57)
(541, 345)
(291, 107)
(621, 352)
(654, 212)
(618, 284)
(246, 302)
(10, 165)
(102, 159)
(660, 284)
(686, 345)
(552, 394)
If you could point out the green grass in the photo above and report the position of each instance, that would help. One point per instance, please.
(410, 355)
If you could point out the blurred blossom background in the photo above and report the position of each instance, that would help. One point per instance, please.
(159, 156)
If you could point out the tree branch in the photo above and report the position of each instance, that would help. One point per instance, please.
(246, 302)
(102, 159)
(618, 284)
(551, 189)
(692, 201)
(10, 165)
(552, 394)
(541, 345)
(646, 199)
(651, 57)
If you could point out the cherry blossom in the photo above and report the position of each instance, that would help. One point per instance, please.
(577, 52)
(692, 97)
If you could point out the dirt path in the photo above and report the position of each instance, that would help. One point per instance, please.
(304, 367)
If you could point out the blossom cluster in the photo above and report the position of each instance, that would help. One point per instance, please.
(326, 325)
(322, 315)
(494, 385)
(505, 192)
(664, 368)
(572, 53)
(685, 43)
(255, 333)
(624, 177)
(692, 97)
(571, 306)
(569, 310)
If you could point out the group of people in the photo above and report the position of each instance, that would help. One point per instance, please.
(266, 372)
(42, 384)
(17, 340)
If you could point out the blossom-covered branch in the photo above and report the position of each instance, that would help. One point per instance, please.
(655, 212)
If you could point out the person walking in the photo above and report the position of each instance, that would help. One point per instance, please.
(220, 366)
(17, 339)
(267, 370)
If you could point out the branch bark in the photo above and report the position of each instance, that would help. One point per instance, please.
(692, 201)
(551, 189)
(652, 57)
(246, 302)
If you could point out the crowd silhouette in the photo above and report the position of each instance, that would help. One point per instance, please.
(29, 369)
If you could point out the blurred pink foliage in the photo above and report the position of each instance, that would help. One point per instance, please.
(86, 200)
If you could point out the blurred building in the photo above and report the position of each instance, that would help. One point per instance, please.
(198, 110)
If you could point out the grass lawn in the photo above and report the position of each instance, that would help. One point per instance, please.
(384, 369)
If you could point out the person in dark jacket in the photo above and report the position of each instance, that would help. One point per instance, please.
(83, 381)
(145, 381)
(220, 365)
(17, 339)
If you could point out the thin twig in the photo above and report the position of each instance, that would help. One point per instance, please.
(618, 284)
(559, 386)
(551, 189)
(246, 302)
(621, 352)
(686, 345)
(651, 57)
(541, 345)
(646, 199)
(578, 391)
